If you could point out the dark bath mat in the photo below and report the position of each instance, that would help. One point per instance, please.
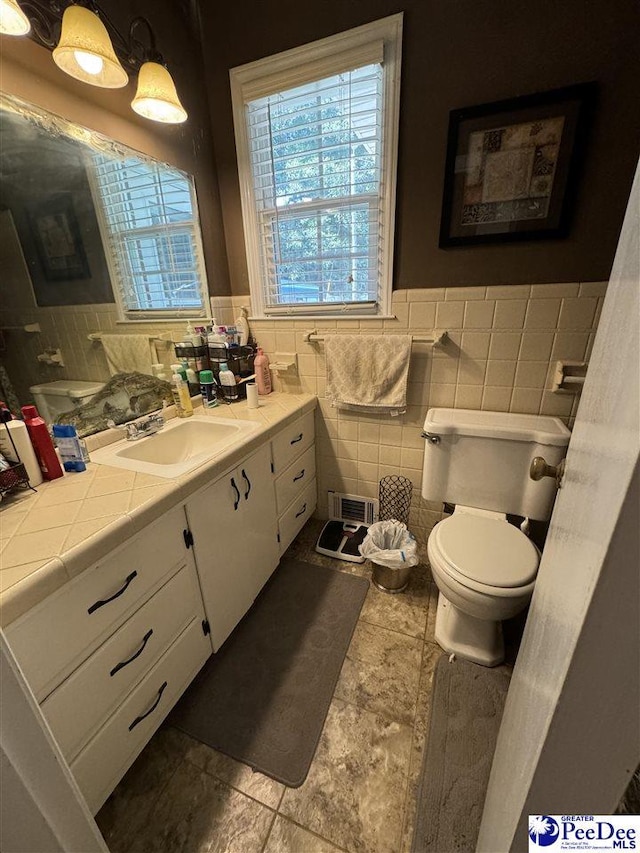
(466, 709)
(264, 697)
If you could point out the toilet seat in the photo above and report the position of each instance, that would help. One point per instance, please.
(484, 553)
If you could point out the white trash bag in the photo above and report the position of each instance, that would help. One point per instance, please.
(389, 543)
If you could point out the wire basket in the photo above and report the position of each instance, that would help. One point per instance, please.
(395, 498)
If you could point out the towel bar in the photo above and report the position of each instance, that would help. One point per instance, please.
(437, 338)
(97, 336)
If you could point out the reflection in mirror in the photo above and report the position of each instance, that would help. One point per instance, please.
(91, 233)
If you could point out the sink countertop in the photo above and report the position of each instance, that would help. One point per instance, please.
(49, 537)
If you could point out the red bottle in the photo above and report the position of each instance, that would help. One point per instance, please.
(42, 444)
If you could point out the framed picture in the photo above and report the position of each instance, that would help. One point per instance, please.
(58, 240)
(512, 167)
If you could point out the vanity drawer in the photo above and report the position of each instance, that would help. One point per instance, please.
(292, 520)
(83, 702)
(295, 478)
(52, 639)
(107, 757)
(292, 441)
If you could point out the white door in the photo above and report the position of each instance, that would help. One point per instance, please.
(570, 735)
(260, 524)
(234, 529)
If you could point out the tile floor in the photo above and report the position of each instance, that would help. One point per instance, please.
(184, 797)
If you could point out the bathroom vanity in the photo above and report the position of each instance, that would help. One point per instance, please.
(110, 651)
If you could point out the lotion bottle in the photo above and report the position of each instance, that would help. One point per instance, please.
(228, 381)
(263, 374)
(181, 397)
(16, 446)
(242, 325)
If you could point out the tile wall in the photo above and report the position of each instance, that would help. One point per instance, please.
(501, 352)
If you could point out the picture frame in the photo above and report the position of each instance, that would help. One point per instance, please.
(512, 167)
(58, 240)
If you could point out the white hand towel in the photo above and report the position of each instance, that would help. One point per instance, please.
(127, 353)
(366, 373)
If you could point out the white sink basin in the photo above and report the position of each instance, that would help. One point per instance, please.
(178, 448)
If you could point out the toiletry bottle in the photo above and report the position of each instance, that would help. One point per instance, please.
(263, 374)
(192, 378)
(179, 369)
(228, 382)
(208, 389)
(214, 336)
(15, 442)
(42, 444)
(66, 437)
(181, 397)
(242, 325)
(192, 336)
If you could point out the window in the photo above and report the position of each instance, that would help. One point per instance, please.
(316, 134)
(151, 237)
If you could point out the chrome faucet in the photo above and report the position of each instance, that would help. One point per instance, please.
(144, 427)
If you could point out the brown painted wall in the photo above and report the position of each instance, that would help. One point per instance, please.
(458, 53)
(28, 71)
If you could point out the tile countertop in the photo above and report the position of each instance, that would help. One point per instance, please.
(49, 537)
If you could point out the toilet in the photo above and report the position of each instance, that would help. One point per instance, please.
(55, 398)
(483, 565)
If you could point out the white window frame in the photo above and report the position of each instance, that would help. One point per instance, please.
(126, 314)
(294, 68)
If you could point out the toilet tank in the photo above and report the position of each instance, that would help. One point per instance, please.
(482, 459)
(63, 395)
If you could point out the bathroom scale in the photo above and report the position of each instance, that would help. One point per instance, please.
(340, 539)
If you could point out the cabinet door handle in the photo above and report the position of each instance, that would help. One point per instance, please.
(302, 511)
(237, 498)
(117, 594)
(151, 709)
(248, 492)
(124, 663)
(296, 440)
(300, 476)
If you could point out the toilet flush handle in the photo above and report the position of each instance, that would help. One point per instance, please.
(431, 437)
(539, 469)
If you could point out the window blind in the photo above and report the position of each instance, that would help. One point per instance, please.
(316, 163)
(151, 236)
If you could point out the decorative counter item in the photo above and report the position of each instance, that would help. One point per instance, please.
(513, 166)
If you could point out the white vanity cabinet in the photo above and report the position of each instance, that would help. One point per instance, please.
(294, 469)
(234, 528)
(109, 654)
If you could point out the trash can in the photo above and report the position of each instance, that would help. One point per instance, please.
(393, 552)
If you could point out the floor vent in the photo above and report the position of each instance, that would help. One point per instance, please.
(352, 508)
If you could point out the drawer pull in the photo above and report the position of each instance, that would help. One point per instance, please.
(248, 492)
(117, 594)
(124, 663)
(300, 476)
(296, 440)
(237, 498)
(302, 511)
(151, 709)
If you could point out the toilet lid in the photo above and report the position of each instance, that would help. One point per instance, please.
(487, 550)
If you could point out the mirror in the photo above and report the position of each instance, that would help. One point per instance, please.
(81, 219)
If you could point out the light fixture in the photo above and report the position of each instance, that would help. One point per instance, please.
(13, 21)
(156, 97)
(85, 50)
(88, 46)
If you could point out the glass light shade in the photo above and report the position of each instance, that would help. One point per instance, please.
(13, 21)
(85, 50)
(156, 97)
